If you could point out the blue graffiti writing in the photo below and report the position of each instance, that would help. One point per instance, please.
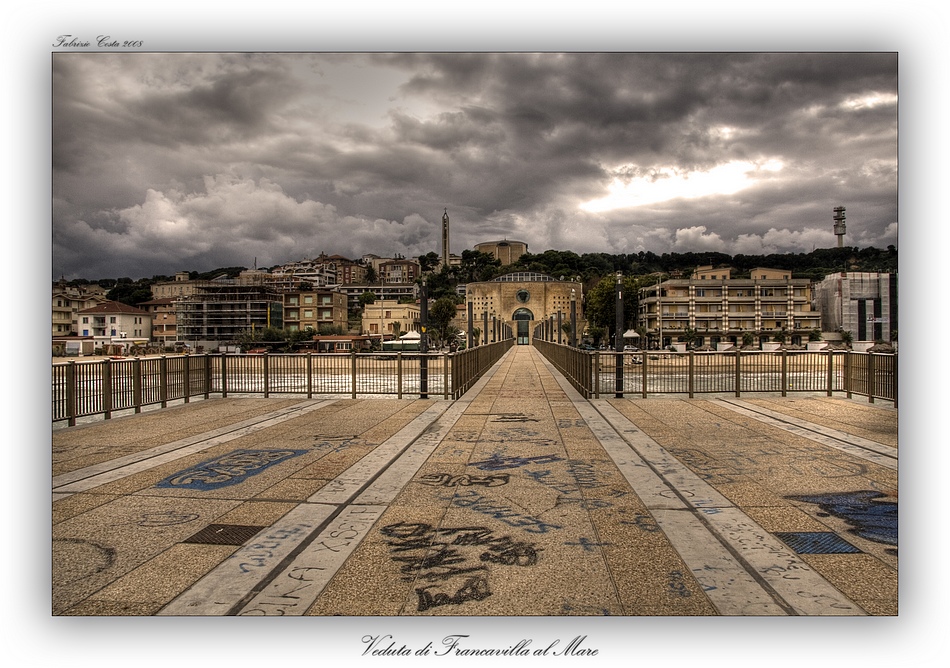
(228, 469)
(584, 473)
(873, 520)
(497, 463)
(506, 514)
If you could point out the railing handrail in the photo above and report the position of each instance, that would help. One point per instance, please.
(90, 387)
(851, 372)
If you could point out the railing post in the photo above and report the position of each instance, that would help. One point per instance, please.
(224, 375)
(643, 359)
(872, 384)
(353, 373)
(107, 388)
(207, 364)
(163, 380)
(831, 370)
(894, 379)
(445, 375)
(399, 375)
(689, 381)
(71, 392)
(187, 392)
(847, 373)
(738, 377)
(266, 374)
(137, 385)
(596, 376)
(309, 375)
(784, 373)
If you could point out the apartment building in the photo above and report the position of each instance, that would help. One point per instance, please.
(720, 309)
(164, 320)
(389, 319)
(182, 286)
(399, 271)
(385, 292)
(314, 309)
(112, 322)
(67, 301)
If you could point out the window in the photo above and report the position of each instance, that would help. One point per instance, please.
(112, 319)
(308, 299)
(85, 320)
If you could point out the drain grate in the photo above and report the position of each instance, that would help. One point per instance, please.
(224, 534)
(817, 542)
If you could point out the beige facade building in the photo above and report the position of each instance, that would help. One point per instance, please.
(720, 309)
(67, 301)
(115, 323)
(164, 320)
(521, 301)
(507, 250)
(389, 319)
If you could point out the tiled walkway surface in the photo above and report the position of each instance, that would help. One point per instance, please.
(522, 498)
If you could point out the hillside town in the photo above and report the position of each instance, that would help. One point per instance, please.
(332, 303)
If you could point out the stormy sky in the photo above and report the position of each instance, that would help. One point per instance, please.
(163, 162)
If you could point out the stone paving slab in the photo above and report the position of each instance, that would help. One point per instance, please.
(521, 498)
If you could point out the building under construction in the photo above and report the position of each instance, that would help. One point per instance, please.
(220, 311)
(864, 304)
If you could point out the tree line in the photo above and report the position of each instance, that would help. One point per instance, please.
(589, 268)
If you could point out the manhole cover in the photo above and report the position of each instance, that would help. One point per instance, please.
(224, 534)
(817, 542)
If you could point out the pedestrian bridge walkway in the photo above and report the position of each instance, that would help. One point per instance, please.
(519, 498)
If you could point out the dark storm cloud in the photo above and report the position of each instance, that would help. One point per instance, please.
(164, 162)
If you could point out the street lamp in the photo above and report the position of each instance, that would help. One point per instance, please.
(618, 338)
(573, 318)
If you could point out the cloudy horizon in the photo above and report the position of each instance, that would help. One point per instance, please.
(166, 162)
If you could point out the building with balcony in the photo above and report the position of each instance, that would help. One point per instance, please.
(399, 271)
(385, 292)
(314, 309)
(68, 300)
(717, 308)
(164, 320)
(114, 322)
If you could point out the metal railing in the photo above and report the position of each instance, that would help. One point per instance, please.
(81, 389)
(596, 373)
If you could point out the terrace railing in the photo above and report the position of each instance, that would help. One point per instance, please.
(104, 387)
(600, 372)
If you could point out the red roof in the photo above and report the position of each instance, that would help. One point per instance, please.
(114, 307)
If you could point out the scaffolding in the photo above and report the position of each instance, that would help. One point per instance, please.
(222, 312)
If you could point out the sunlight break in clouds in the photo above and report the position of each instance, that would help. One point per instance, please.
(669, 183)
